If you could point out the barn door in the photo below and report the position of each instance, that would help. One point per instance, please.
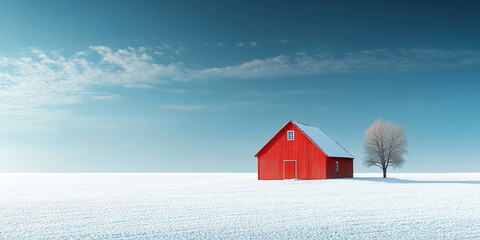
(290, 169)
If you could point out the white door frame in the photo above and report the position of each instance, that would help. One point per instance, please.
(285, 169)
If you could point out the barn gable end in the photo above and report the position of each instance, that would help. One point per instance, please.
(309, 156)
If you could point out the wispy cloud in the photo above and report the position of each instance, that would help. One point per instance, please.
(32, 86)
(81, 53)
(105, 96)
(283, 41)
(246, 45)
(161, 50)
(205, 107)
(378, 60)
(35, 86)
(258, 68)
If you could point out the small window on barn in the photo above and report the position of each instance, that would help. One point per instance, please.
(290, 135)
(336, 166)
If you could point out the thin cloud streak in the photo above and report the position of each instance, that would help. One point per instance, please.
(205, 107)
(283, 41)
(379, 60)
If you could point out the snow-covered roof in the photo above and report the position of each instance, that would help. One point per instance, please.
(323, 141)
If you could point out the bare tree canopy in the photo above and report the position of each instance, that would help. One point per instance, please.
(385, 145)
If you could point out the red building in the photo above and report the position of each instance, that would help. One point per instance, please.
(300, 151)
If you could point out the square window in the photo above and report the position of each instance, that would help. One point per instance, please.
(290, 135)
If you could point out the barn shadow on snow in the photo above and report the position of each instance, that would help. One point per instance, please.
(396, 180)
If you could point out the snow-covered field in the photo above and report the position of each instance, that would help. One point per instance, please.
(231, 206)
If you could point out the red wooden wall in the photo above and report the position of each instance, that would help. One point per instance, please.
(345, 167)
(311, 162)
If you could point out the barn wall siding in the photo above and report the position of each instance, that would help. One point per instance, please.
(345, 169)
(310, 159)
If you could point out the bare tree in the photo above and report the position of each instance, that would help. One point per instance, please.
(385, 145)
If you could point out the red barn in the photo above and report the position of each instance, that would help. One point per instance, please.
(300, 151)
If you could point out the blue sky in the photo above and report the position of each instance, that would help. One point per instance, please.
(184, 86)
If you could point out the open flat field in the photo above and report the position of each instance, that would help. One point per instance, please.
(230, 206)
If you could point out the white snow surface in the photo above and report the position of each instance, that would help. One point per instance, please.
(237, 206)
(323, 141)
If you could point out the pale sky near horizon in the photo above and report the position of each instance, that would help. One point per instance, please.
(186, 86)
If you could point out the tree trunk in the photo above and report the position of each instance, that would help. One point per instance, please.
(384, 172)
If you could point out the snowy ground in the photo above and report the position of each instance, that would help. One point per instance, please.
(228, 206)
